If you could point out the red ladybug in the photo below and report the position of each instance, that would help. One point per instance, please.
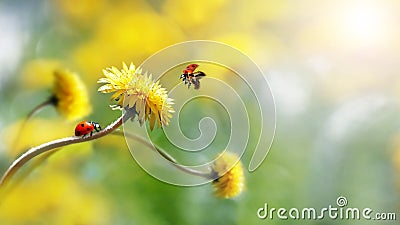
(190, 77)
(83, 128)
(190, 68)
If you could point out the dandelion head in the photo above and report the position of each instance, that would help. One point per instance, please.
(231, 176)
(70, 95)
(137, 91)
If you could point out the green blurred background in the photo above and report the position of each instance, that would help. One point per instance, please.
(332, 66)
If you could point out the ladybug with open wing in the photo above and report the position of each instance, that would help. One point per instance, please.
(86, 127)
(189, 76)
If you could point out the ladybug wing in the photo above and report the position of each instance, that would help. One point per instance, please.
(199, 74)
(196, 83)
(196, 78)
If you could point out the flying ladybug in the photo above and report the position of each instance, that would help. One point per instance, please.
(190, 77)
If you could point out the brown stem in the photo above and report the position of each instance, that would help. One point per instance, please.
(164, 154)
(40, 107)
(33, 152)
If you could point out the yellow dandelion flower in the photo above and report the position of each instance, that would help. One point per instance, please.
(70, 95)
(134, 90)
(231, 176)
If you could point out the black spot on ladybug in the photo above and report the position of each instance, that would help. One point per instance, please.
(78, 133)
(88, 129)
(82, 125)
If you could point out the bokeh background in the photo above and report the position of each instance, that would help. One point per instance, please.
(332, 66)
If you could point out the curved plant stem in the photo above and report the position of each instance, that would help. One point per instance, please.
(29, 116)
(35, 110)
(163, 154)
(49, 146)
(33, 152)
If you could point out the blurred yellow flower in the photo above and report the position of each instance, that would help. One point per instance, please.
(81, 12)
(70, 95)
(231, 179)
(191, 14)
(39, 73)
(35, 132)
(53, 197)
(125, 30)
(140, 92)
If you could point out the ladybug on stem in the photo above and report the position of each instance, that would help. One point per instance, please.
(190, 77)
(84, 128)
